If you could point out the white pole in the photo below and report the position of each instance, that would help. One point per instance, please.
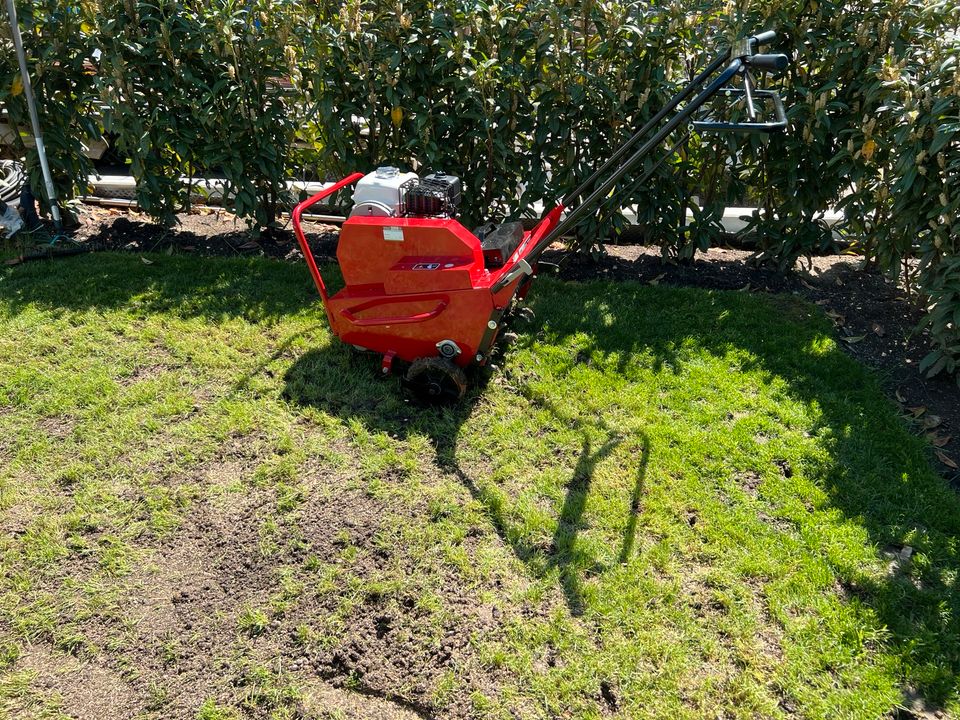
(32, 107)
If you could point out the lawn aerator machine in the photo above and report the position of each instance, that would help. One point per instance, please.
(421, 288)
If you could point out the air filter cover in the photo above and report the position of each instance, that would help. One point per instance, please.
(435, 195)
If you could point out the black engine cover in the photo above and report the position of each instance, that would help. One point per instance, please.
(499, 243)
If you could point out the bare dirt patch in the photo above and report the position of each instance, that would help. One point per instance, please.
(87, 691)
(57, 427)
(393, 645)
(326, 701)
(188, 593)
(314, 599)
(750, 482)
(143, 372)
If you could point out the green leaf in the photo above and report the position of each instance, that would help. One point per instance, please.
(940, 140)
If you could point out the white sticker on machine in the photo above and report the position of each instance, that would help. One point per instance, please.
(393, 233)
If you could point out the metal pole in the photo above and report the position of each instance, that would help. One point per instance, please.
(34, 118)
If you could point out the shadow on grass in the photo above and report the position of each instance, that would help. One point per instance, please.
(316, 380)
(249, 288)
(563, 553)
(879, 476)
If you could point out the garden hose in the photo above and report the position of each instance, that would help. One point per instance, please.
(12, 178)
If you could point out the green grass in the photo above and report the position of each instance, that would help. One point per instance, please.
(665, 503)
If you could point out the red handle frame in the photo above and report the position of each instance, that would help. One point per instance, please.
(302, 240)
(349, 313)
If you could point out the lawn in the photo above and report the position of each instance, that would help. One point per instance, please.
(664, 503)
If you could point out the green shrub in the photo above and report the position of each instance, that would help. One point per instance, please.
(198, 88)
(56, 40)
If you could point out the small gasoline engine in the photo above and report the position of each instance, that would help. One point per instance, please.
(421, 288)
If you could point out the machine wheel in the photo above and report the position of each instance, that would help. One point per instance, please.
(436, 381)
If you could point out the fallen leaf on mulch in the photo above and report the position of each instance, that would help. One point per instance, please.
(938, 440)
(657, 279)
(250, 245)
(807, 285)
(878, 330)
(836, 317)
(917, 411)
(946, 459)
(145, 261)
(853, 340)
(931, 421)
(900, 398)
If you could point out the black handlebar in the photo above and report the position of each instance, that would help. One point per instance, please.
(703, 87)
(764, 38)
(773, 63)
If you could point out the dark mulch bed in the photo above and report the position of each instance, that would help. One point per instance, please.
(875, 321)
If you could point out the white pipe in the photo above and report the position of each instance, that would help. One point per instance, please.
(112, 188)
(32, 107)
(133, 205)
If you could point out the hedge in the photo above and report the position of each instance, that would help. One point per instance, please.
(520, 98)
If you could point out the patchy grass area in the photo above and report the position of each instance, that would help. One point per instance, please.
(666, 503)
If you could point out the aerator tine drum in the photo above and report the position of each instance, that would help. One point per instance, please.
(422, 289)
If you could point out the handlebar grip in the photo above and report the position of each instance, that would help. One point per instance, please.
(773, 63)
(763, 38)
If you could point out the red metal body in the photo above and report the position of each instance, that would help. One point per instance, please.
(411, 283)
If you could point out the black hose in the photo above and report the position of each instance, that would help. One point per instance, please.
(12, 177)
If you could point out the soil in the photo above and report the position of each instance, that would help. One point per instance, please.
(875, 320)
(206, 231)
(180, 615)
